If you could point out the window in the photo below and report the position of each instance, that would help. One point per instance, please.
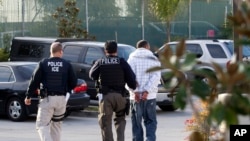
(71, 53)
(26, 71)
(93, 54)
(216, 51)
(194, 48)
(191, 48)
(31, 50)
(6, 74)
(124, 51)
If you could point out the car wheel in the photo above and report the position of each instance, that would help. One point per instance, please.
(167, 107)
(16, 109)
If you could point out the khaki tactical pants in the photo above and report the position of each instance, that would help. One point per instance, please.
(112, 102)
(50, 107)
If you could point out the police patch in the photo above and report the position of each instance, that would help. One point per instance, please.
(108, 61)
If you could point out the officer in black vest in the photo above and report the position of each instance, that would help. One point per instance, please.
(112, 73)
(57, 77)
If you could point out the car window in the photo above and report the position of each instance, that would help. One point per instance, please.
(216, 51)
(26, 71)
(194, 48)
(31, 50)
(124, 51)
(92, 55)
(229, 46)
(245, 49)
(6, 74)
(71, 53)
(191, 48)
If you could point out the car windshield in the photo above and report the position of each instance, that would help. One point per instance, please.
(245, 49)
(26, 71)
(124, 51)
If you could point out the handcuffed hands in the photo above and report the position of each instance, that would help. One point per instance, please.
(143, 97)
(137, 97)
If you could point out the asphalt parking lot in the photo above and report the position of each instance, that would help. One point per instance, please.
(83, 125)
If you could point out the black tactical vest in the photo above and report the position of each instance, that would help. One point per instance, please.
(111, 73)
(55, 70)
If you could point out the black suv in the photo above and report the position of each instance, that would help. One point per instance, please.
(79, 52)
(83, 54)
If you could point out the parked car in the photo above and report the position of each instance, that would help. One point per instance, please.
(207, 51)
(82, 55)
(14, 79)
(33, 48)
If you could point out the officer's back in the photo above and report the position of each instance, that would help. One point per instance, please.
(111, 74)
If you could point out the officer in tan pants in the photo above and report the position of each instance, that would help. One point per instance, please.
(57, 77)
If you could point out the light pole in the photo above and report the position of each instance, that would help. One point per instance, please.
(190, 19)
(23, 13)
(142, 18)
(87, 16)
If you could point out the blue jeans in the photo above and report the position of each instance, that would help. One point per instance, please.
(145, 110)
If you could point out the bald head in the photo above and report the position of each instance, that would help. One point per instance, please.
(56, 49)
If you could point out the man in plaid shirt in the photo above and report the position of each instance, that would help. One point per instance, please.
(143, 98)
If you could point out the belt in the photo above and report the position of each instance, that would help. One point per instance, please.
(55, 94)
(116, 91)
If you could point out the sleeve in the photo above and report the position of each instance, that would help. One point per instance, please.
(35, 81)
(130, 77)
(72, 79)
(95, 71)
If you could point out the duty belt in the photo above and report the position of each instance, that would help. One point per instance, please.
(55, 94)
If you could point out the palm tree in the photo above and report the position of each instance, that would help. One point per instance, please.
(165, 10)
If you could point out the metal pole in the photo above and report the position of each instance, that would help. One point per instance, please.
(225, 20)
(87, 17)
(190, 19)
(142, 18)
(23, 14)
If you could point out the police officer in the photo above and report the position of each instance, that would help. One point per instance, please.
(112, 73)
(57, 77)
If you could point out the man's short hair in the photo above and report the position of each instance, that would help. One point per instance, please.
(55, 47)
(141, 44)
(111, 46)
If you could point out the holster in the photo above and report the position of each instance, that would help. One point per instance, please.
(127, 108)
(43, 93)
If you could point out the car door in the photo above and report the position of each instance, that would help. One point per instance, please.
(93, 53)
(6, 84)
(82, 57)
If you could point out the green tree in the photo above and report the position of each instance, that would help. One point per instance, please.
(68, 22)
(165, 10)
(227, 30)
(5, 51)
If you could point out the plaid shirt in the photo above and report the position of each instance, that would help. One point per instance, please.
(140, 61)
